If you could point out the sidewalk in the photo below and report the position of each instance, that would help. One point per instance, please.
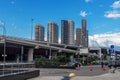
(107, 76)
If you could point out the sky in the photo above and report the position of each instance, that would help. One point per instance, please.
(103, 17)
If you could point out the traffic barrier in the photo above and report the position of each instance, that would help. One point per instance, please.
(90, 67)
(78, 67)
(104, 67)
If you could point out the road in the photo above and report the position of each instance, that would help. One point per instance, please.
(83, 71)
(83, 74)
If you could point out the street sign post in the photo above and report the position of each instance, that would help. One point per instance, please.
(112, 52)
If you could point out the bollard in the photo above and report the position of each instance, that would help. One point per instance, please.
(104, 67)
(90, 67)
(78, 67)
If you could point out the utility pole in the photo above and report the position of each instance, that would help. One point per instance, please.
(32, 27)
(22, 51)
(4, 36)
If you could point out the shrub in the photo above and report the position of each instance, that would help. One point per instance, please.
(59, 60)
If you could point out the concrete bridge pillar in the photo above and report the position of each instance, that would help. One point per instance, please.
(99, 53)
(30, 54)
(71, 58)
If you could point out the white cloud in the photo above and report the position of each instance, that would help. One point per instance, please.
(14, 26)
(13, 2)
(87, 1)
(2, 23)
(112, 14)
(83, 14)
(116, 4)
(104, 40)
(115, 13)
(101, 5)
(45, 38)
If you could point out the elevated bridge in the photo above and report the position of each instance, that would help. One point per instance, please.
(28, 50)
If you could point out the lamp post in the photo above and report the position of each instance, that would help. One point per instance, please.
(32, 27)
(50, 55)
(22, 51)
(2, 24)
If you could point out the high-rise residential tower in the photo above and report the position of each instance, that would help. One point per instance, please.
(52, 32)
(67, 29)
(78, 36)
(87, 41)
(39, 32)
(64, 31)
(84, 34)
(71, 32)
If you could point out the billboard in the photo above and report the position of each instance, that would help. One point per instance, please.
(84, 50)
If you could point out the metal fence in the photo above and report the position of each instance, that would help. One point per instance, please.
(11, 68)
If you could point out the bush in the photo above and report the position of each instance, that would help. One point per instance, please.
(62, 59)
(95, 63)
(59, 60)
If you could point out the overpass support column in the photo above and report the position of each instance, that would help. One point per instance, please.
(30, 54)
(71, 58)
(100, 53)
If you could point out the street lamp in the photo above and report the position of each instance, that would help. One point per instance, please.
(2, 24)
(22, 51)
(50, 54)
(32, 27)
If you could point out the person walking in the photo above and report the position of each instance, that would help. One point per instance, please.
(102, 64)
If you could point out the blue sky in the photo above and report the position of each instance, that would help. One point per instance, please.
(103, 16)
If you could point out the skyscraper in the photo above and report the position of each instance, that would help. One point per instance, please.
(84, 34)
(71, 32)
(52, 32)
(78, 36)
(64, 32)
(67, 29)
(39, 32)
(87, 41)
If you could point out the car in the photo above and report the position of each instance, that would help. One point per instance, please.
(73, 64)
(104, 62)
(114, 64)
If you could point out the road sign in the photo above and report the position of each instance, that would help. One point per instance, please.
(112, 46)
(112, 51)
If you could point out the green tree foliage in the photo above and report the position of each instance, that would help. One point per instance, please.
(52, 62)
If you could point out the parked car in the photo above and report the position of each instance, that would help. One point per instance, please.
(114, 64)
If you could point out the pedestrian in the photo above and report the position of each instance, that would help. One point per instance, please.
(66, 78)
(71, 75)
(102, 65)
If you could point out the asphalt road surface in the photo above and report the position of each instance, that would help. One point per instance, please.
(83, 74)
(83, 71)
